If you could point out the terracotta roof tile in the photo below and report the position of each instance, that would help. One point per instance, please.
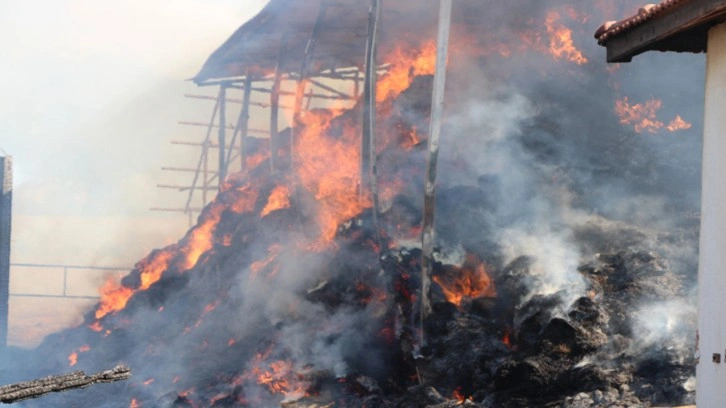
(614, 28)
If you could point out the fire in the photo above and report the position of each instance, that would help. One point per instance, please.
(329, 168)
(73, 359)
(113, 297)
(678, 124)
(200, 239)
(404, 66)
(96, 326)
(459, 395)
(134, 404)
(470, 281)
(506, 339)
(279, 199)
(561, 45)
(643, 116)
(280, 379)
(149, 381)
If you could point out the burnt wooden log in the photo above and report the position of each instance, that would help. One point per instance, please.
(57, 383)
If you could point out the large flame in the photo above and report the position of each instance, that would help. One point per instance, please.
(561, 45)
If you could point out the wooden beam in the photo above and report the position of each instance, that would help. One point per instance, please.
(244, 123)
(662, 27)
(222, 133)
(55, 383)
(275, 102)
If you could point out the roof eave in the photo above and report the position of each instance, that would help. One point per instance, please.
(666, 31)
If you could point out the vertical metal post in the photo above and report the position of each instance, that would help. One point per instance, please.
(245, 122)
(275, 102)
(6, 201)
(369, 96)
(222, 133)
(437, 113)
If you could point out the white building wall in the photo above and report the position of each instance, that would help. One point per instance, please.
(711, 376)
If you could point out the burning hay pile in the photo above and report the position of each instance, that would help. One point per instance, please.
(553, 286)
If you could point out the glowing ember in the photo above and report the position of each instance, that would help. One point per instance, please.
(134, 404)
(506, 339)
(279, 199)
(458, 395)
(281, 379)
(469, 281)
(561, 45)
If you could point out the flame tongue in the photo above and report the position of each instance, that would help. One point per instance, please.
(467, 282)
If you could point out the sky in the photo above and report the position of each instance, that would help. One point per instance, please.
(91, 94)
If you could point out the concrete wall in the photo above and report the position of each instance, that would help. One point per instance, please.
(711, 376)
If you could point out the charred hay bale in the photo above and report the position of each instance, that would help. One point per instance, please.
(561, 336)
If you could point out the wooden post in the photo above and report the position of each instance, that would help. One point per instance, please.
(202, 158)
(437, 113)
(244, 123)
(275, 102)
(222, 133)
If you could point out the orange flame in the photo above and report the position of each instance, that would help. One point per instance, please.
(458, 395)
(678, 124)
(113, 297)
(73, 359)
(134, 404)
(329, 168)
(561, 45)
(279, 199)
(280, 378)
(643, 116)
(405, 65)
(471, 281)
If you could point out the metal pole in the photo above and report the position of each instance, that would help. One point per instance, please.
(437, 113)
(222, 133)
(369, 95)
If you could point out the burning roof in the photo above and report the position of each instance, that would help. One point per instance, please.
(672, 25)
(340, 36)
